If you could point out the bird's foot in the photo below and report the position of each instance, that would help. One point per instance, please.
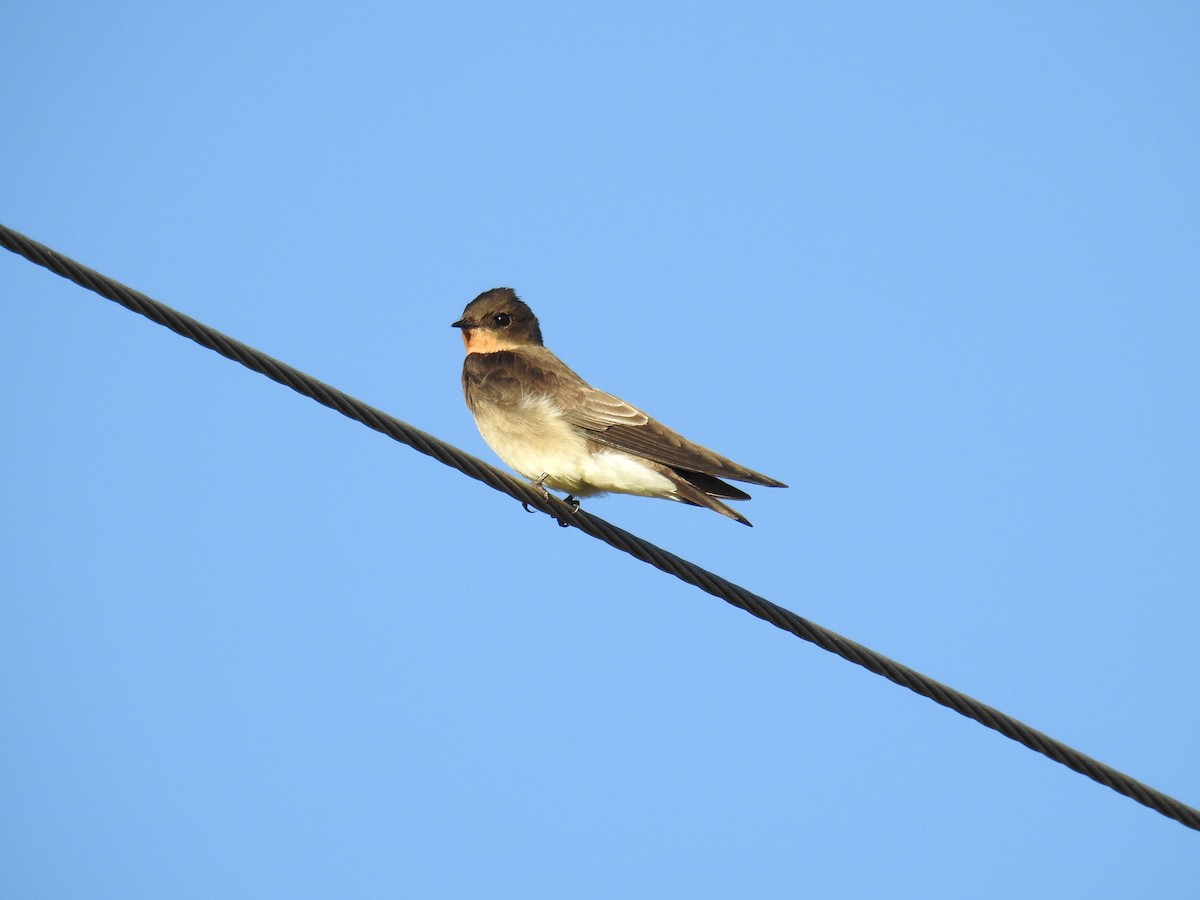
(540, 485)
(574, 504)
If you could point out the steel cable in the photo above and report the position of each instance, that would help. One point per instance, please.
(597, 527)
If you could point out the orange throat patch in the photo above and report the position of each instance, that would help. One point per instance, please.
(481, 340)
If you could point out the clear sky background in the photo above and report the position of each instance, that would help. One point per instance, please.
(937, 266)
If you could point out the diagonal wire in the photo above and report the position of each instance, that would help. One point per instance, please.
(598, 528)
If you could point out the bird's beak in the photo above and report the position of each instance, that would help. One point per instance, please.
(461, 323)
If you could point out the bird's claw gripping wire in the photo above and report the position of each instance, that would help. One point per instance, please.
(570, 501)
(574, 504)
(538, 483)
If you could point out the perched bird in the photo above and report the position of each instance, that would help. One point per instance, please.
(553, 427)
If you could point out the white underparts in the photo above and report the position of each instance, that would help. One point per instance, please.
(536, 440)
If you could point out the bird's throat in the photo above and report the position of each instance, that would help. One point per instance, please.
(481, 340)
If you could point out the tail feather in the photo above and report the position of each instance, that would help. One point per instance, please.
(712, 486)
(695, 490)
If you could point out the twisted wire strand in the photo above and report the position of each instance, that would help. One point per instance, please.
(598, 528)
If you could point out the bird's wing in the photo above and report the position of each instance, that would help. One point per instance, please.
(611, 421)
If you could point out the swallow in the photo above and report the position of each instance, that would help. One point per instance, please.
(554, 428)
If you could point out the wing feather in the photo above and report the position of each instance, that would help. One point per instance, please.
(611, 421)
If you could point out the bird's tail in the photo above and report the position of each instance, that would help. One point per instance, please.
(698, 489)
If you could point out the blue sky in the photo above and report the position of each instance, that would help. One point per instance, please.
(933, 265)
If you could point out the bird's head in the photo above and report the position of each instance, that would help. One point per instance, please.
(498, 320)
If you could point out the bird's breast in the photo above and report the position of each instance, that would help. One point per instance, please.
(534, 439)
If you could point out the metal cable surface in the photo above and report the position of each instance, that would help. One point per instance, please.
(598, 528)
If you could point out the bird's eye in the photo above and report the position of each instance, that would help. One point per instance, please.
(501, 320)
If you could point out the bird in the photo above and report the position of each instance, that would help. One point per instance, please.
(554, 428)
